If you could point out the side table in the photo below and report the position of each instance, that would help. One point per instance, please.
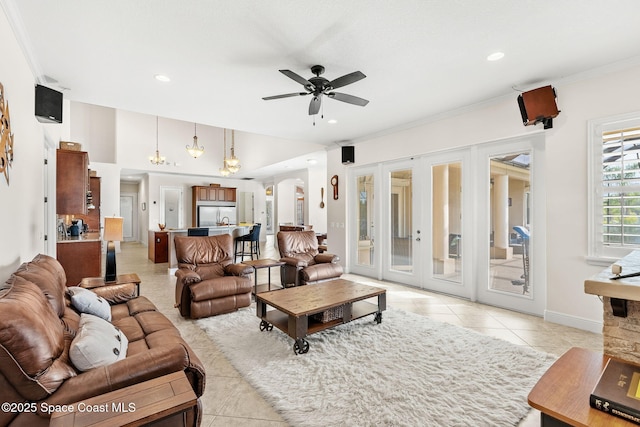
(165, 398)
(121, 279)
(562, 393)
(262, 263)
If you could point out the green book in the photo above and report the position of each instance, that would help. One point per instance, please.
(618, 391)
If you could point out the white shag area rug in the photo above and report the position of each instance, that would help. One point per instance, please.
(407, 371)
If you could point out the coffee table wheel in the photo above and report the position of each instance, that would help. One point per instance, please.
(301, 346)
(265, 326)
(378, 317)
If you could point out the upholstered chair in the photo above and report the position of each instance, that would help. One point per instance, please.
(208, 282)
(303, 263)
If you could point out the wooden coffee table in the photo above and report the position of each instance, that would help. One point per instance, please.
(294, 308)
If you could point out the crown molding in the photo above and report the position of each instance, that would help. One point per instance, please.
(19, 31)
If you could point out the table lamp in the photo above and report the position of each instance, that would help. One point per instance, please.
(112, 233)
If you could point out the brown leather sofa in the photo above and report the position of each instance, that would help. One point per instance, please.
(208, 282)
(37, 326)
(303, 262)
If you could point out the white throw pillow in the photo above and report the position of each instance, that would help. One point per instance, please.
(87, 301)
(97, 343)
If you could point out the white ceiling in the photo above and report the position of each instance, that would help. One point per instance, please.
(421, 57)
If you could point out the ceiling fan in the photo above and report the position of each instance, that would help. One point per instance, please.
(318, 86)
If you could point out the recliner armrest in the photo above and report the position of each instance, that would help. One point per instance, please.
(294, 262)
(325, 257)
(238, 269)
(187, 277)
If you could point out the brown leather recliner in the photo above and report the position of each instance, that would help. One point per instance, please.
(208, 282)
(37, 326)
(303, 263)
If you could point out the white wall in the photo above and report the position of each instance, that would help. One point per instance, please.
(566, 173)
(22, 223)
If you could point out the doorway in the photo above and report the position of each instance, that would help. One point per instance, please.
(128, 201)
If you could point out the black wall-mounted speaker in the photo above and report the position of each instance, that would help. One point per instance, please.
(48, 105)
(348, 155)
(538, 105)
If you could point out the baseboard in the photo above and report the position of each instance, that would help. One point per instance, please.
(573, 321)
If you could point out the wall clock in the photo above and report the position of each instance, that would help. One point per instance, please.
(6, 137)
(334, 183)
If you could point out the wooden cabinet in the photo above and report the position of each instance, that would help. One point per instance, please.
(210, 193)
(213, 194)
(72, 182)
(158, 246)
(80, 259)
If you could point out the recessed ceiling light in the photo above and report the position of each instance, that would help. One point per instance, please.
(332, 121)
(312, 161)
(495, 56)
(162, 78)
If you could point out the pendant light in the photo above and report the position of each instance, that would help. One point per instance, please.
(195, 150)
(157, 159)
(233, 163)
(224, 171)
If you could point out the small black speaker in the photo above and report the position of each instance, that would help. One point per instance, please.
(48, 105)
(348, 155)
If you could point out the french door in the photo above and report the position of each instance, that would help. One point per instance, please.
(468, 222)
(401, 222)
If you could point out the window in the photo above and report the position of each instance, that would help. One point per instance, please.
(615, 186)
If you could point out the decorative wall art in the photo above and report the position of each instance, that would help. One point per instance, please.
(6, 137)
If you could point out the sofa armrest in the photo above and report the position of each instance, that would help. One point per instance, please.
(238, 269)
(138, 368)
(187, 277)
(294, 262)
(325, 257)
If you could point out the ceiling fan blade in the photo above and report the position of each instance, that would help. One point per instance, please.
(314, 105)
(286, 95)
(304, 82)
(346, 79)
(349, 99)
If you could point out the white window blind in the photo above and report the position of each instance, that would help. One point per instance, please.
(621, 187)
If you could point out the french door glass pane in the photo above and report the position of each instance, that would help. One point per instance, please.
(510, 238)
(401, 221)
(365, 219)
(447, 221)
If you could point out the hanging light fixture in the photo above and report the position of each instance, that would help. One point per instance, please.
(195, 150)
(224, 170)
(233, 163)
(157, 159)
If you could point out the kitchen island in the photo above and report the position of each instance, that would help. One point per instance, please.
(234, 229)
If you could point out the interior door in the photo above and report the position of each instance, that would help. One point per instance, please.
(401, 222)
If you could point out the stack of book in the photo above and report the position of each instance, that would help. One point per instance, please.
(618, 391)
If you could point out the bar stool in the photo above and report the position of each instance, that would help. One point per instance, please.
(253, 238)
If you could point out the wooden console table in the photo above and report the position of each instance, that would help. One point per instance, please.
(137, 405)
(562, 394)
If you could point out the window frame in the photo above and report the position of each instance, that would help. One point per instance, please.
(598, 252)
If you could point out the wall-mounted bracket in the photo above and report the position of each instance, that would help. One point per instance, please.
(619, 307)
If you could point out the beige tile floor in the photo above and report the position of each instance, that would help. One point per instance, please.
(231, 401)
